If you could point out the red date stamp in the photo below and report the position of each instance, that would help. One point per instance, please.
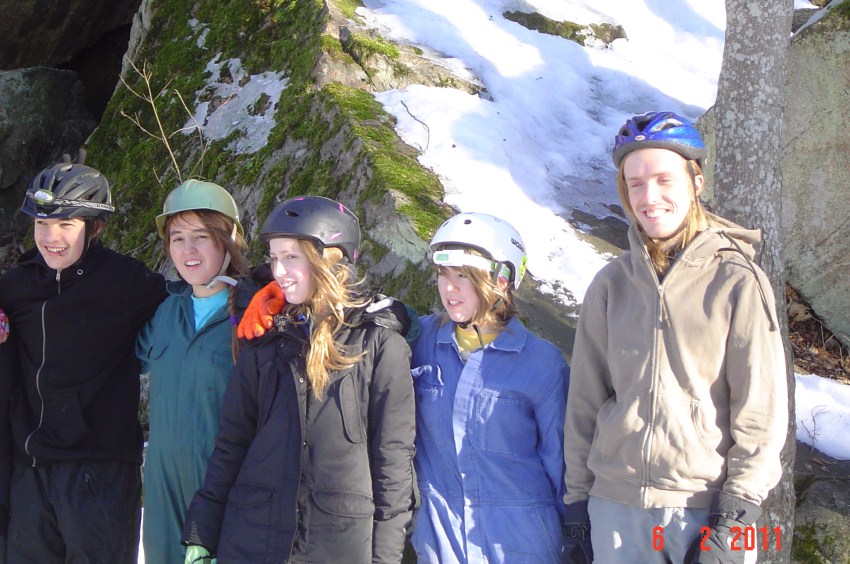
(742, 538)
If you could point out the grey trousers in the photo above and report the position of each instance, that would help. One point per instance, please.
(624, 533)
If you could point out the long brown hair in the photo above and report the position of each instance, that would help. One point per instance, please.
(661, 251)
(496, 305)
(334, 292)
(224, 237)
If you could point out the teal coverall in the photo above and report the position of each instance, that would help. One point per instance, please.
(189, 373)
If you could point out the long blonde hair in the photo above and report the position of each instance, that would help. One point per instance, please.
(496, 307)
(334, 292)
(224, 236)
(661, 251)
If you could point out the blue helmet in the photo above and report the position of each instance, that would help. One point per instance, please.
(659, 130)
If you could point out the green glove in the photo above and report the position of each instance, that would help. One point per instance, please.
(196, 554)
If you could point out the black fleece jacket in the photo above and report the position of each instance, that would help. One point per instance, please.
(8, 367)
(76, 391)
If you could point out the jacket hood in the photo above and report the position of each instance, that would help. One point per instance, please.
(721, 236)
(381, 310)
(384, 311)
(729, 236)
(744, 239)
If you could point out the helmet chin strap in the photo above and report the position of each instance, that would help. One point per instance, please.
(500, 270)
(221, 277)
(88, 237)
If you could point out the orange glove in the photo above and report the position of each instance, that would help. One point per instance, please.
(259, 315)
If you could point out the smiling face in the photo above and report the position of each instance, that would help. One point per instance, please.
(659, 190)
(457, 293)
(291, 269)
(194, 253)
(60, 241)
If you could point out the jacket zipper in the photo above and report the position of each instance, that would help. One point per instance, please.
(660, 319)
(38, 372)
(38, 383)
(647, 440)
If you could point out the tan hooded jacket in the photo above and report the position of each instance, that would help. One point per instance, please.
(678, 388)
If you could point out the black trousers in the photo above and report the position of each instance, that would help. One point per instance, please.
(75, 512)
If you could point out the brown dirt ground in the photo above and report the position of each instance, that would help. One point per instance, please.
(816, 349)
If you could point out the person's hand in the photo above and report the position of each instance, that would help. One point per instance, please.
(714, 545)
(577, 547)
(197, 554)
(259, 315)
(4, 327)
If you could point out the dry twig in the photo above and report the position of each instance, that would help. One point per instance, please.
(146, 74)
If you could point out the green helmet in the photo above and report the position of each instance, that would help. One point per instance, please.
(198, 195)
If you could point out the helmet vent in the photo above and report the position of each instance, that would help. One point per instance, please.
(495, 238)
(661, 130)
(320, 220)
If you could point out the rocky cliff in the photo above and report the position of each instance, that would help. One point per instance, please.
(815, 172)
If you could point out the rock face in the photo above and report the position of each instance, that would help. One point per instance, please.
(51, 32)
(816, 176)
(45, 112)
(138, 30)
(368, 62)
(42, 116)
(822, 518)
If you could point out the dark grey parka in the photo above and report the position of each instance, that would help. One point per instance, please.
(321, 480)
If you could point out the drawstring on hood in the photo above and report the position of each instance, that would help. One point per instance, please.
(741, 240)
(768, 307)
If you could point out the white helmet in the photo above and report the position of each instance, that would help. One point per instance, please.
(494, 237)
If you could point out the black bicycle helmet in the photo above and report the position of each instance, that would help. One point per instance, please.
(660, 130)
(68, 190)
(320, 220)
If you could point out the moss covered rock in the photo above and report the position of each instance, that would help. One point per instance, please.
(325, 137)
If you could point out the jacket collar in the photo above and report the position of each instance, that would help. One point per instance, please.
(381, 310)
(245, 290)
(721, 235)
(384, 311)
(178, 288)
(69, 276)
(511, 339)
